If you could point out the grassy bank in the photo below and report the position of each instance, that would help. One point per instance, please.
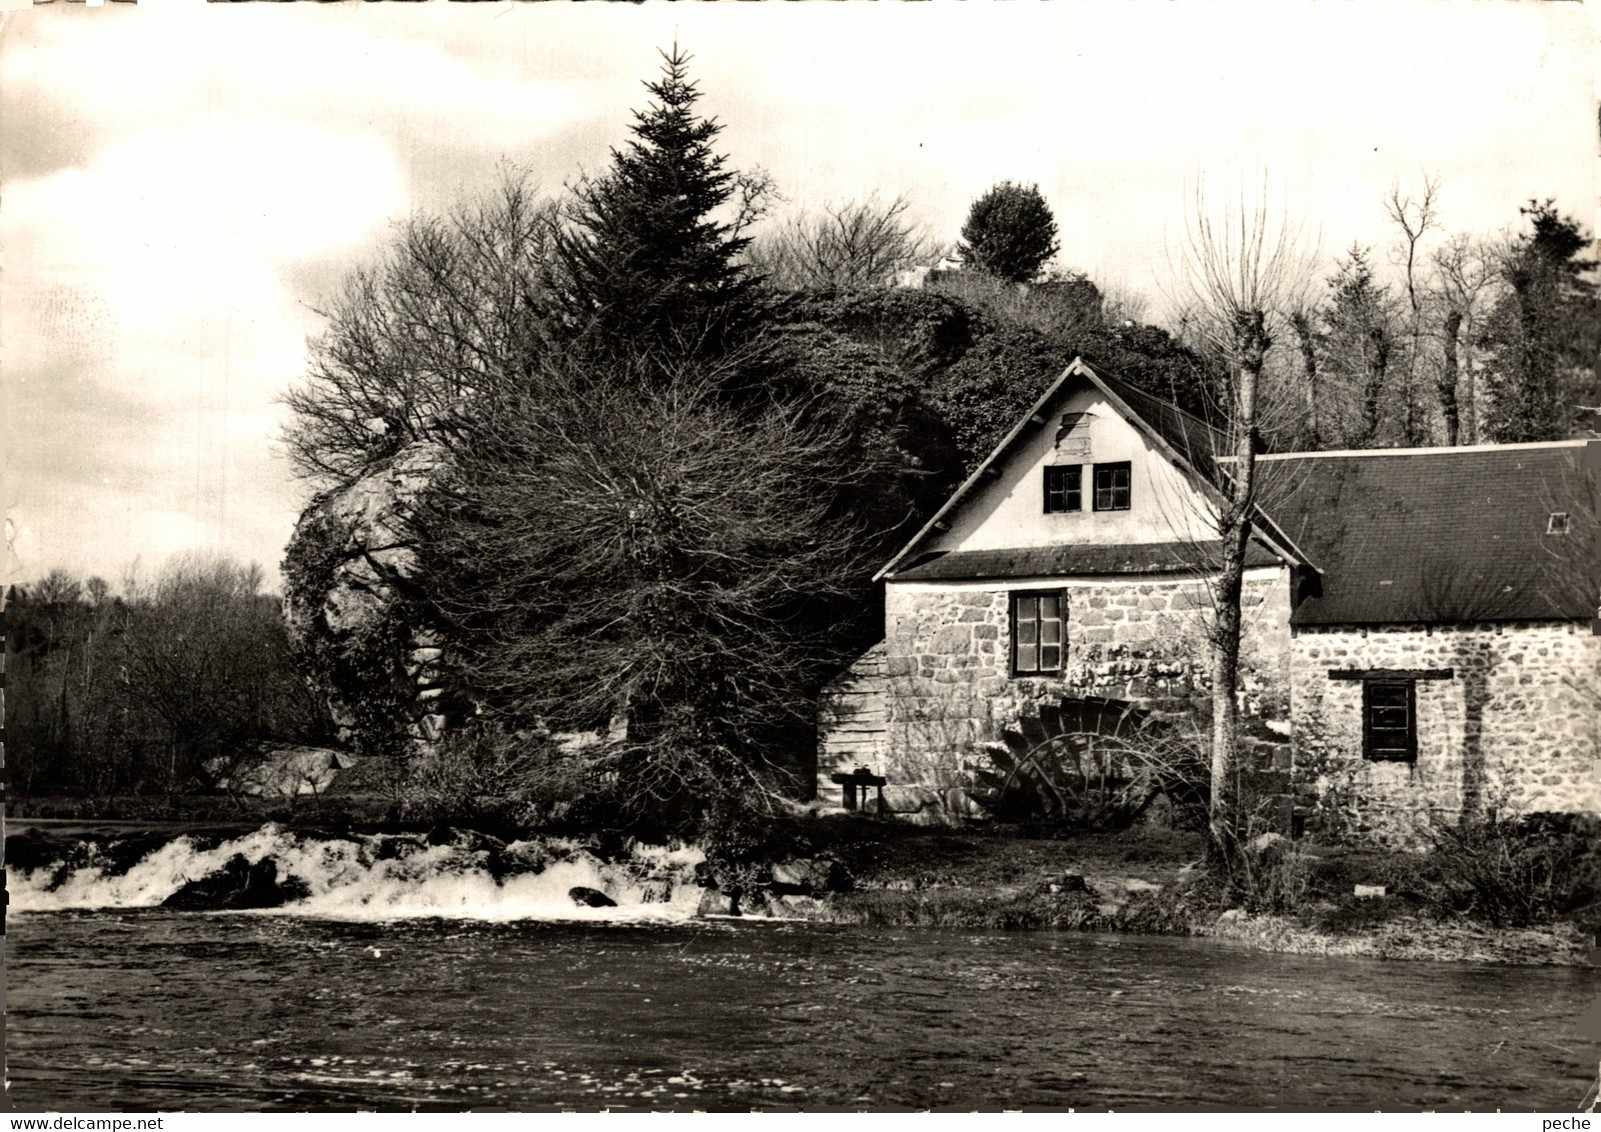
(1156, 882)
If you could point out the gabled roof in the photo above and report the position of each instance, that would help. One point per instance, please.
(1186, 440)
(1442, 535)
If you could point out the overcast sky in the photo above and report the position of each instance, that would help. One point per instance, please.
(181, 188)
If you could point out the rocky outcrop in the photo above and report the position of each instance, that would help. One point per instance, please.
(351, 610)
(796, 888)
(285, 772)
(810, 876)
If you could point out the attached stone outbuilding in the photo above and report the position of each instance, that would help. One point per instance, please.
(1418, 624)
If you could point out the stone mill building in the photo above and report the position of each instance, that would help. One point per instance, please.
(1421, 631)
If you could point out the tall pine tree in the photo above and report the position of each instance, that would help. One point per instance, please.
(1359, 344)
(649, 260)
(650, 537)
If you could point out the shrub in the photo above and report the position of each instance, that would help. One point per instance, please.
(1519, 870)
(1010, 232)
(1268, 874)
(487, 778)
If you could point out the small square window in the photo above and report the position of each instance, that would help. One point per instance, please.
(1064, 488)
(1112, 486)
(1557, 524)
(1389, 720)
(1039, 632)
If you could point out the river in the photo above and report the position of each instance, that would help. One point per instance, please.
(158, 1009)
(145, 1007)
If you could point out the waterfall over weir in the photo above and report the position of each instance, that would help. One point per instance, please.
(354, 877)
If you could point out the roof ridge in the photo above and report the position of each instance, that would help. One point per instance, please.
(1431, 451)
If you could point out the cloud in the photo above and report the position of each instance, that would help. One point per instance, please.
(133, 67)
(150, 326)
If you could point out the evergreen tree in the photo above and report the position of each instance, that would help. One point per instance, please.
(1359, 344)
(644, 263)
(666, 532)
(1010, 232)
(1543, 331)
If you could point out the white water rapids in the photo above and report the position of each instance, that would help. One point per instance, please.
(382, 877)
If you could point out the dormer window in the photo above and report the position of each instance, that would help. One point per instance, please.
(1064, 485)
(1557, 524)
(1112, 486)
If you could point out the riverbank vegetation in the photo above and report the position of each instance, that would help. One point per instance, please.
(162, 687)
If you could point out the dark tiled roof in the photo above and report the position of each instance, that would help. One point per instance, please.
(1067, 561)
(1440, 536)
(1190, 436)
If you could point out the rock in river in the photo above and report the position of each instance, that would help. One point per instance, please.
(237, 885)
(590, 897)
(714, 903)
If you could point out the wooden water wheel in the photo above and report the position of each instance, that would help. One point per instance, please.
(1088, 761)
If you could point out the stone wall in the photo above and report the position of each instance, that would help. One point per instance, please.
(852, 721)
(1517, 726)
(947, 662)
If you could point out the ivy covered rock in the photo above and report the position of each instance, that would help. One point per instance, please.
(354, 610)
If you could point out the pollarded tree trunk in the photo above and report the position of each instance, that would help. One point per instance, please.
(1449, 405)
(1303, 334)
(1378, 365)
(1251, 344)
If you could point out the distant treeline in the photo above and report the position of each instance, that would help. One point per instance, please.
(163, 688)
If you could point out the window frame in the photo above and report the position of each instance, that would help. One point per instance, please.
(1390, 754)
(1013, 598)
(1072, 489)
(1113, 466)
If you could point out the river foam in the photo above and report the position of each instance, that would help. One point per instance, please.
(378, 877)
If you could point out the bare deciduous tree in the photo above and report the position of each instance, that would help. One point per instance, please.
(1122, 305)
(456, 308)
(1238, 265)
(1465, 279)
(648, 554)
(151, 690)
(845, 247)
(1415, 217)
(1303, 310)
(207, 655)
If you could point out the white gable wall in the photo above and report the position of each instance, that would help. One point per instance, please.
(1009, 511)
